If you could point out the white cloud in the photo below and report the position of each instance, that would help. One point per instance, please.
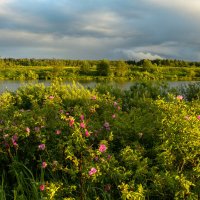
(158, 51)
(138, 55)
(107, 24)
(102, 22)
(166, 48)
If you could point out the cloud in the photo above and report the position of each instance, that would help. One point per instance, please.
(69, 47)
(100, 29)
(182, 7)
(137, 55)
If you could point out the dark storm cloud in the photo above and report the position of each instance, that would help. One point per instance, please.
(98, 29)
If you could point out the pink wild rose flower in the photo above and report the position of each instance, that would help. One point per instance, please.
(28, 130)
(115, 104)
(58, 132)
(51, 97)
(41, 146)
(82, 117)
(93, 98)
(14, 140)
(44, 164)
(42, 187)
(87, 134)
(82, 125)
(102, 148)
(92, 171)
(179, 97)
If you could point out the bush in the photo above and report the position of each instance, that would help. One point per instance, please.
(68, 142)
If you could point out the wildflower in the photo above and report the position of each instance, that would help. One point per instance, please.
(82, 125)
(14, 137)
(93, 98)
(51, 97)
(92, 171)
(115, 104)
(58, 132)
(28, 130)
(198, 117)
(87, 134)
(44, 165)
(41, 146)
(102, 148)
(179, 97)
(71, 121)
(82, 117)
(14, 143)
(113, 116)
(118, 107)
(14, 140)
(106, 126)
(42, 187)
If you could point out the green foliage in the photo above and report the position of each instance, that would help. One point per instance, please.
(103, 68)
(31, 69)
(121, 69)
(68, 142)
(85, 68)
(191, 91)
(147, 64)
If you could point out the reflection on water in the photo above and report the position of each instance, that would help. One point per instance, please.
(13, 85)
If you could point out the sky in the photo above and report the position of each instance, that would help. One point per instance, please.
(100, 29)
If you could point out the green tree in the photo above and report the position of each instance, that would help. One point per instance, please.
(85, 67)
(103, 68)
(2, 63)
(121, 68)
(147, 64)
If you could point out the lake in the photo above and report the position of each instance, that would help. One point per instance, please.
(12, 85)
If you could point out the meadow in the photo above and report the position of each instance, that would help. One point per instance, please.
(70, 142)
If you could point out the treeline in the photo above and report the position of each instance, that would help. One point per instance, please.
(75, 63)
(25, 69)
(164, 63)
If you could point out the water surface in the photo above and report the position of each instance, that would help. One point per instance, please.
(13, 85)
